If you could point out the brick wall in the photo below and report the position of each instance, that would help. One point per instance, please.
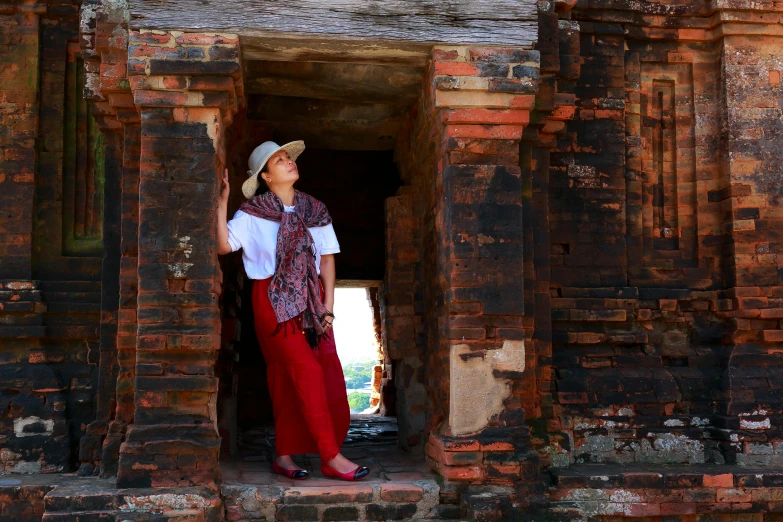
(649, 324)
(750, 197)
(19, 119)
(50, 310)
(586, 245)
(402, 328)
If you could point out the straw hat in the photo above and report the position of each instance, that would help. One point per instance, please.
(260, 156)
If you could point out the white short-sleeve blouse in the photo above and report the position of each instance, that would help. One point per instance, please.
(257, 237)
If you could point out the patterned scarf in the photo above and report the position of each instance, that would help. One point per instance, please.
(294, 290)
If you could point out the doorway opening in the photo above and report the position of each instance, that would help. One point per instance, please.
(349, 116)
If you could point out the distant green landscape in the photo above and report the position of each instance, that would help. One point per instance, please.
(357, 374)
(358, 401)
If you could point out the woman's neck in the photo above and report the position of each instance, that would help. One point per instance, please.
(286, 194)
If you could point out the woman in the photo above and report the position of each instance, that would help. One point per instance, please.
(287, 242)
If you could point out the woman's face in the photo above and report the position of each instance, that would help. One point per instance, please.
(280, 169)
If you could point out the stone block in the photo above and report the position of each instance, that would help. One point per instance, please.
(389, 511)
(295, 513)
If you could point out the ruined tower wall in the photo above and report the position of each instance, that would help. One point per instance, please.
(663, 286)
(51, 230)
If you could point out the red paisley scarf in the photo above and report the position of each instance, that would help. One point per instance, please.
(294, 290)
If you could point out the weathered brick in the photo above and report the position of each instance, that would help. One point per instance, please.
(296, 513)
(327, 494)
(401, 492)
(334, 513)
(389, 512)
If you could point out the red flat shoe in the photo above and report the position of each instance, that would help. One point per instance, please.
(296, 474)
(356, 474)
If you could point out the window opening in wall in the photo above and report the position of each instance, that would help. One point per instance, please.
(359, 348)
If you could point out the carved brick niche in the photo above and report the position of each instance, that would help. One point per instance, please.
(661, 166)
(83, 174)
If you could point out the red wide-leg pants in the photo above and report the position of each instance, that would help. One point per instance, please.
(307, 386)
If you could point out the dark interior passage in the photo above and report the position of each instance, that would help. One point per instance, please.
(354, 185)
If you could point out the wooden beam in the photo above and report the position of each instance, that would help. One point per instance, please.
(500, 22)
(302, 49)
(357, 283)
(335, 81)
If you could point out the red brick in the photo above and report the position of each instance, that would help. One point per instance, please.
(148, 37)
(487, 116)
(460, 473)
(679, 508)
(719, 481)
(391, 492)
(773, 336)
(505, 132)
(327, 494)
(523, 102)
(455, 69)
(733, 495)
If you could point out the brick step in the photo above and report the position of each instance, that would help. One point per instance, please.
(180, 515)
(86, 494)
(362, 501)
(76, 501)
(664, 476)
(81, 516)
(88, 499)
(640, 490)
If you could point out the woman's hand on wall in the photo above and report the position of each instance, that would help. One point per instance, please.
(225, 189)
(223, 246)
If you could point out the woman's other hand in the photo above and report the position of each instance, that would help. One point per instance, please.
(225, 189)
(328, 319)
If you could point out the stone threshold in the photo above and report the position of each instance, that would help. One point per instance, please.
(341, 501)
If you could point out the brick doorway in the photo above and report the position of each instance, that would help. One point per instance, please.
(424, 138)
(349, 116)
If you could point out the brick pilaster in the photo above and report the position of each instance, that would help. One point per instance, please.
(186, 87)
(750, 197)
(121, 398)
(104, 44)
(476, 105)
